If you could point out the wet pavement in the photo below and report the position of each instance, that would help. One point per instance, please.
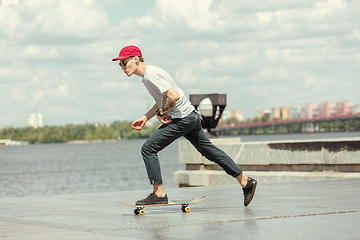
(325, 209)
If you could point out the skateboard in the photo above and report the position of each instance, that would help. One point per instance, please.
(139, 209)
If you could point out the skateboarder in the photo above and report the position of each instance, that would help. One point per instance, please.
(178, 118)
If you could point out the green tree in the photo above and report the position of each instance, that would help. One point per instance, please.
(54, 134)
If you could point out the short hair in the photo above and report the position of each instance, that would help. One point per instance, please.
(141, 59)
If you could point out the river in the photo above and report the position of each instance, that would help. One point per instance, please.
(61, 168)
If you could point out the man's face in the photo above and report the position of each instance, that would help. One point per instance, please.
(128, 65)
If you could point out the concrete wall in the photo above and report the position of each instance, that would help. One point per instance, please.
(278, 161)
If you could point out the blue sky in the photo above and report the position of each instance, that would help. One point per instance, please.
(55, 56)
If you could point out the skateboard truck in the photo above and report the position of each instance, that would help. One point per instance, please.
(141, 211)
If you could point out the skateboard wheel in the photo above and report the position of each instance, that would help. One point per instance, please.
(186, 209)
(136, 211)
(142, 212)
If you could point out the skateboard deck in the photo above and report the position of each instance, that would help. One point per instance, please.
(139, 209)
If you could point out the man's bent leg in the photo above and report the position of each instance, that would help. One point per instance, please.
(165, 135)
(158, 141)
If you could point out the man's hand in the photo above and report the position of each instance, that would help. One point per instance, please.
(138, 124)
(164, 119)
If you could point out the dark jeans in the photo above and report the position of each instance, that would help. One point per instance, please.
(190, 128)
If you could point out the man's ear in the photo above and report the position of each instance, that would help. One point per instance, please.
(137, 60)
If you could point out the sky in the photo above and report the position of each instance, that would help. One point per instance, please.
(55, 56)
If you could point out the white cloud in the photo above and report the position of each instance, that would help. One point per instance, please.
(60, 109)
(22, 19)
(11, 118)
(109, 105)
(5, 73)
(186, 75)
(277, 73)
(310, 81)
(321, 11)
(264, 16)
(107, 86)
(39, 52)
(258, 53)
(196, 14)
(37, 95)
(19, 94)
(61, 91)
(229, 18)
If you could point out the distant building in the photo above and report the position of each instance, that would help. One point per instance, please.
(238, 114)
(8, 142)
(310, 110)
(306, 110)
(329, 109)
(233, 113)
(275, 113)
(324, 109)
(266, 113)
(355, 109)
(35, 120)
(343, 108)
(315, 113)
(225, 115)
(332, 112)
(294, 111)
(282, 113)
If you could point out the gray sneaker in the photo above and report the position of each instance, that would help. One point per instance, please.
(249, 190)
(152, 199)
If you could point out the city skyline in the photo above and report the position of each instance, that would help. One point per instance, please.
(309, 110)
(56, 55)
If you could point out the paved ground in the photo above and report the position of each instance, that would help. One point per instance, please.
(326, 209)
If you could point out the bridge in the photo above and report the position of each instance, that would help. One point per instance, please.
(344, 123)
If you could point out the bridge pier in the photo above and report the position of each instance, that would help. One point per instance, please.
(277, 129)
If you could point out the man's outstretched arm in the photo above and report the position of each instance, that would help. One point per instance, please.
(139, 123)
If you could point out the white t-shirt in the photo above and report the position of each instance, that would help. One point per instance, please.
(157, 81)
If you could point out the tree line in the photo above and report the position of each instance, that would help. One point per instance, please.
(55, 134)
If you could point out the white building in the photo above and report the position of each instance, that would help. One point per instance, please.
(35, 120)
(306, 110)
(355, 109)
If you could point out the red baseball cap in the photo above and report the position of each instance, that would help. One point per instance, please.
(128, 51)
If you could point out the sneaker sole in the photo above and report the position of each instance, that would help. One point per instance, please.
(162, 203)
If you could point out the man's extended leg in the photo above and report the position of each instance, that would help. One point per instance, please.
(202, 143)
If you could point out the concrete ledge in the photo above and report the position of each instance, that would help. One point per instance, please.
(186, 178)
(321, 151)
(272, 161)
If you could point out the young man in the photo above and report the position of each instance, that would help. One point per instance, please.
(178, 118)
